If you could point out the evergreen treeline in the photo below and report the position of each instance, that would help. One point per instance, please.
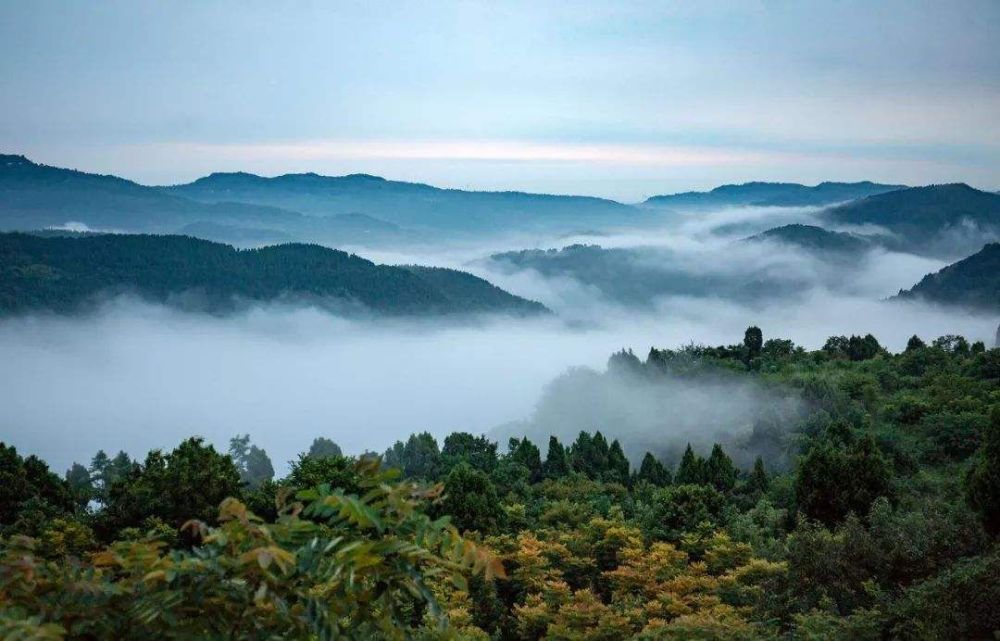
(66, 273)
(885, 528)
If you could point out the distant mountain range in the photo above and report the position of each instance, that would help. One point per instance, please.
(67, 273)
(407, 204)
(234, 207)
(249, 210)
(972, 282)
(766, 194)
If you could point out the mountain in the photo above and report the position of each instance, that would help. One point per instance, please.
(816, 239)
(68, 273)
(766, 194)
(413, 205)
(232, 207)
(943, 220)
(971, 282)
(35, 196)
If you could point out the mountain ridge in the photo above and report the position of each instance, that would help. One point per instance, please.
(69, 273)
(972, 282)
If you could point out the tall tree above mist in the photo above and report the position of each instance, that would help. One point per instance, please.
(252, 462)
(322, 447)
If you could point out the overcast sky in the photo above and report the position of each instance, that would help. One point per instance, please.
(615, 99)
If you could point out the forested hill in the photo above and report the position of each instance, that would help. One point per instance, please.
(811, 237)
(767, 194)
(947, 220)
(971, 282)
(407, 204)
(67, 273)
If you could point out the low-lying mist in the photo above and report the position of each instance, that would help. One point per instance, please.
(135, 377)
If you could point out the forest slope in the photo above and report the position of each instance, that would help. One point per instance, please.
(65, 273)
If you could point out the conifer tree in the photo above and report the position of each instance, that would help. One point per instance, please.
(691, 469)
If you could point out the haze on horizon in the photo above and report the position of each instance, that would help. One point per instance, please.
(621, 100)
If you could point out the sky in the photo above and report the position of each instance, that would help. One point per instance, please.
(616, 99)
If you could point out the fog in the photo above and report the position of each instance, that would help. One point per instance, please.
(135, 376)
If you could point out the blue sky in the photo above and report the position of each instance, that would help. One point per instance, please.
(614, 99)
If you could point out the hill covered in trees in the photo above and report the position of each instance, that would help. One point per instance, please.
(884, 527)
(942, 220)
(767, 194)
(66, 273)
(816, 239)
(972, 282)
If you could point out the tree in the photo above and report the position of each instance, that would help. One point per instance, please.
(312, 471)
(252, 462)
(719, 470)
(589, 455)
(471, 500)
(862, 349)
(526, 453)
(478, 451)
(618, 467)
(418, 458)
(361, 566)
(915, 343)
(759, 481)
(982, 480)
(189, 482)
(29, 492)
(322, 446)
(653, 471)
(104, 471)
(753, 342)
(80, 484)
(556, 460)
(691, 469)
(835, 479)
(624, 362)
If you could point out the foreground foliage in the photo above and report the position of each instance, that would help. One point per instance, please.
(871, 514)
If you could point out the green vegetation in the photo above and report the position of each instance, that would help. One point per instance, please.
(817, 239)
(946, 220)
(67, 273)
(972, 282)
(884, 527)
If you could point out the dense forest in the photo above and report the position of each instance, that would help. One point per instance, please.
(972, 282)
(68, 273)
(884, 526)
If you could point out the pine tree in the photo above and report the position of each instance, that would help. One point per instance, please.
(758, 478)
(618, 468)
(81, 484)
(556, 462)
(652, 471)
(719, 470)
(691, 469)
(527, 454)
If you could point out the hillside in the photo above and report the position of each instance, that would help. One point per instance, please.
(236, 206)
(815, 239)
(767, 194)
(971, 282)
(34, 196)
(407, 204)
(946, 220)
(66, 274)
